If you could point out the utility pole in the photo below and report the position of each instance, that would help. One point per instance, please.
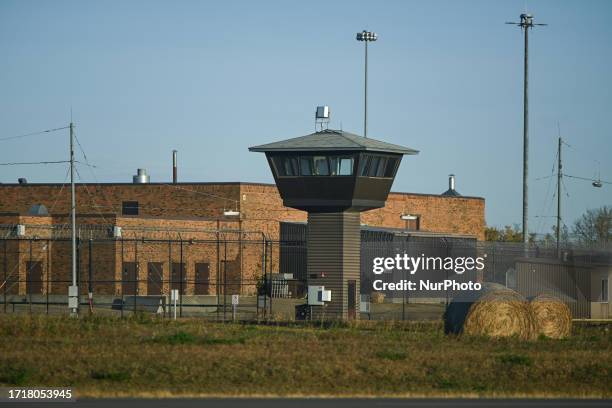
(559, 180)
(366, 36)
(73, 290)
(525, 24)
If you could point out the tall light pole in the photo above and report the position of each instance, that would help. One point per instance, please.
(366, 37)
(525, 24)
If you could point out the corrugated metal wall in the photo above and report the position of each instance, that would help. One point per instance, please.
(568, 282)
(333, 260)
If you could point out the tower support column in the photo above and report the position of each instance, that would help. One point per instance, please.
(334, 253)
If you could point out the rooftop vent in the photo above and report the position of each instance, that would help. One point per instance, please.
(451, 187)
(141, 177)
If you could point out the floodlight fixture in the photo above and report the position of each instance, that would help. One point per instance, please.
(367, 36)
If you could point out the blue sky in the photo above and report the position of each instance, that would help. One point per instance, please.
(211, 78)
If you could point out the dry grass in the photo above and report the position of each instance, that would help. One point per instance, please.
(143, 356)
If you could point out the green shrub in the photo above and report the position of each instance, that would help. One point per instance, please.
(179, 337)
(392, 355)
(230, 341)
(14, 375)
(110, 375)
(516, 359)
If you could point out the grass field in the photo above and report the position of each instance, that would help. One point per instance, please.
(142, 356)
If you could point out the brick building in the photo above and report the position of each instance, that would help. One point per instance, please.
(177, 235)
(259, 205)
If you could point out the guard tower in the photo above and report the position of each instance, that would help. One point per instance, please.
(334, 175)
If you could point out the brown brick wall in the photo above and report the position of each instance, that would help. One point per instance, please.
(260, 205)
(188, 200)
(188, 212)
(262, 208)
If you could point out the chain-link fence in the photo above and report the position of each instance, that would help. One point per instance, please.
(225, 274)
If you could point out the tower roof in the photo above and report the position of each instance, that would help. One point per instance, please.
(332, 140)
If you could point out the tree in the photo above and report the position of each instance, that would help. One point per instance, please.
(506, 234)
(563, 237)
(594, 226)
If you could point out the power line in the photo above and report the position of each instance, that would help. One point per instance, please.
(202, 193)
(91, 167)
(33, 133)
(91, 196)
(59, 193)
(163, 184)
(29, 163)
(587, 179)
(552, 173)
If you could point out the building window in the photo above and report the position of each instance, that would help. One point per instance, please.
(604, 290)
(129, 208)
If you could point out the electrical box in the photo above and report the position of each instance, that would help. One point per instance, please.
(20, 230)
(116, 232)
(73, 297)
(364, 304)
(325, 295)
(317, 295)
(174, 295)
(313, 295)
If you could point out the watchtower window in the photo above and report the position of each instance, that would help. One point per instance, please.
(321, 166)
(345, 166)
(377, 166)
(307, 165)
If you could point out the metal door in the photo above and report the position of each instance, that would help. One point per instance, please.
(34, 278)
(129, 277)
(352, 299)
(178, 278)
(155, 274)
(202, 277)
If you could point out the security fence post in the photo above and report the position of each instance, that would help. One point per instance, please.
(48, 246)
(181, 274)
(5, 267)
(89, 279)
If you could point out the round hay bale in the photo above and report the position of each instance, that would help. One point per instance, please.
(553, 317)
(494, 311)
(377, 297)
